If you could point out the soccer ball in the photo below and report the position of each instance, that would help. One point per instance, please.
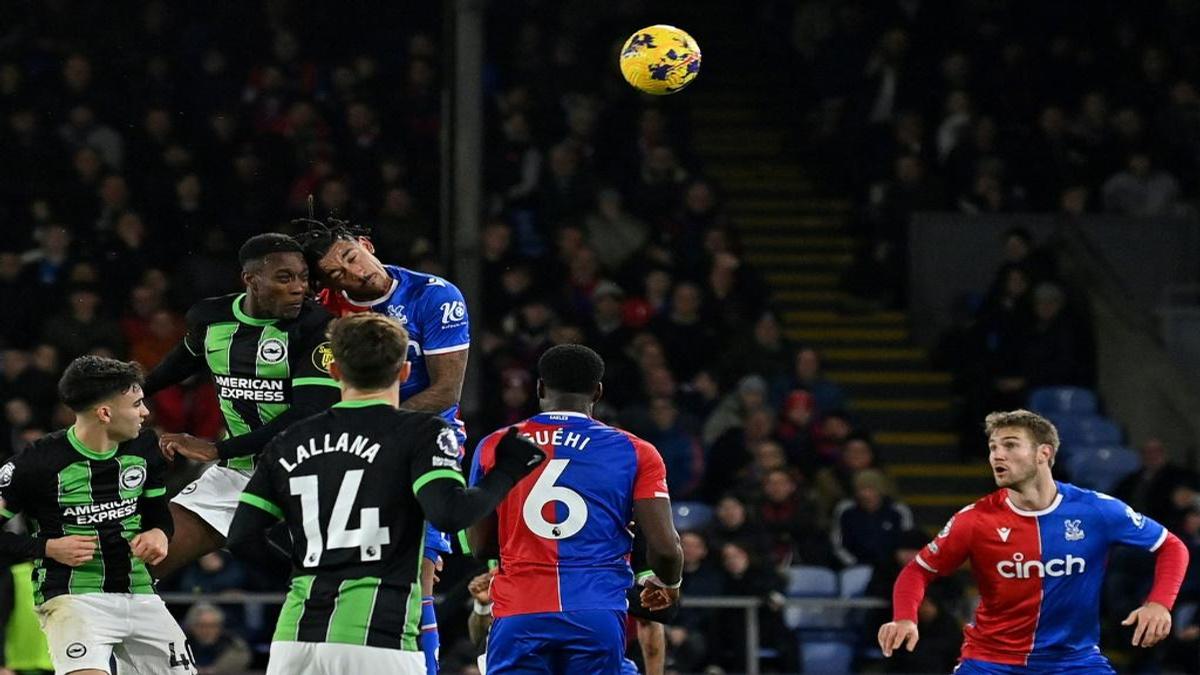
(660, 60)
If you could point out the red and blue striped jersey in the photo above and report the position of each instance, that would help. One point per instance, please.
(563, 529)
(1039, 573)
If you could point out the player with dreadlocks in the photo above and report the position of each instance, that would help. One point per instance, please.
(342, 260)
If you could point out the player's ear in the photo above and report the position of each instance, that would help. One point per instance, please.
(405, 371)
(103, 413)
(596, 395)
(541, 389)
(334, 371)
(367, 245)
(1046, 452)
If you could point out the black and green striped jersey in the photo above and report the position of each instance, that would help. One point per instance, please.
(260, 367)
(345, 482)
(64, 488)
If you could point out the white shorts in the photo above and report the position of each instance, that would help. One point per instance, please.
(334, 658)
(83, 631)
(214, 496)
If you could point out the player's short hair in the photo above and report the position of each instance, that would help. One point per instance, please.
(92, 379)
(369, 349)
(571, 369)
(318, 237)
(1040, 429)
(262, 245)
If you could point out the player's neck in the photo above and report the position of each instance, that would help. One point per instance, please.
(94, 436)
(251, 308)
(567, 403)
(1037, 495)
(391, 395)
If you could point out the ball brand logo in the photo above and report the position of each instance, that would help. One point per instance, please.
(1019, 568)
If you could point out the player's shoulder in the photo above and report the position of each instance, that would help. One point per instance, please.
(145, 444)
(1091, 499)
(212, 310)
(313, 316)
(419, 285)
(49, 452)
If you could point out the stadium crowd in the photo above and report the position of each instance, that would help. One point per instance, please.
(141, 150)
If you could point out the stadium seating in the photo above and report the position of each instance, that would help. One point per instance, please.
(826, 656)
(1086, 429)
(810, 581)
(852, 581)
(692, 516)
(1101, 468)
(1050, 400)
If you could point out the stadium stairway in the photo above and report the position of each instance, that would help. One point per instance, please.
(794, 232)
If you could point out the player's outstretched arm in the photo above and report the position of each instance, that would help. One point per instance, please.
(450, 506)
(906, 598)
(178, 365)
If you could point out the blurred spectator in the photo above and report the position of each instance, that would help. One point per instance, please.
(1151, 488)
(836, 483)
(806, 374)
(688, 339)
(680, 450)
(789, 516)
(866, 529)
(1141, 190)
(612, 232)
(216, 650)
(733, 523)
(82, 326)
(745, 574)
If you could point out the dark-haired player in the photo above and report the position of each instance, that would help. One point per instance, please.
(560, 596)
(95, 499)
(434, 313)
(269, 361)
(355, 485)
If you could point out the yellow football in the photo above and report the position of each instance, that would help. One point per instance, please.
(660, 59)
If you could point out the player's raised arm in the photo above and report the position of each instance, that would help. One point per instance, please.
(447, 502)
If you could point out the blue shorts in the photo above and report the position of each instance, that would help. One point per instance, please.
(588, 641)
(1089, 664)
(437, 543)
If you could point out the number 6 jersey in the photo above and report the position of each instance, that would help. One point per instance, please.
(344, 481)
(563, 529)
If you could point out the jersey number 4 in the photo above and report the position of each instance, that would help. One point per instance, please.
(369, 537)
(545, 491)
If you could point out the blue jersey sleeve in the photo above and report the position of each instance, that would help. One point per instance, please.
(1126, 526)
(445, 326)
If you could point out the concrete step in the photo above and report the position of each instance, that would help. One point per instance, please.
(792, 287)
(796, 206)
(843, 336)
(782, 281)
(787, 220)
(835, 260)
(811, 316)
(804, 242)
(918, 377)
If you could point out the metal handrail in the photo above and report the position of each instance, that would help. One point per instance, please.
(747, 603)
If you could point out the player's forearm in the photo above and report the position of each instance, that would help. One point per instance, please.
(909, 591)
(156, 514)
(178, 365)
(1170, 567)
(449, 506)
(433, 400)
(666, 560)
(478, 626)
(21, 546)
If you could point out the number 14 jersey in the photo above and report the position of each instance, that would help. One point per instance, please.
(563, 530)
(344, 481)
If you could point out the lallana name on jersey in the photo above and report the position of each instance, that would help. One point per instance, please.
(1019, 568)
(559, 439)
(361, 446)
